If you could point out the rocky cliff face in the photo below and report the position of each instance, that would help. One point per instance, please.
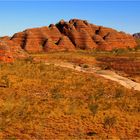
(64, 36)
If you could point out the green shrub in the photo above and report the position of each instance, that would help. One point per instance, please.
(57, 95)
(85, 66)
(5, 81)
(74, 66)
(118, 51)
(29, 59)
(104, 67)
(93, 108)
(91, 133)
(119, 93)
(137, 48)
(109, 121)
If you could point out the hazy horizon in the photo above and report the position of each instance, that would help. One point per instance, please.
(20, 15)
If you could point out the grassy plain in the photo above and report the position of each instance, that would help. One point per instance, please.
(39, 101)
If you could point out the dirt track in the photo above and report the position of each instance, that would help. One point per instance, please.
(108, 74)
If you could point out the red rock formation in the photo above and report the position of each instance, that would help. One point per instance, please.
(84, 36)
(102, 45)
(50, 46)
(75, 34)
(5, 53)
(33, 40)
(65, 44)
(119, 40)
(9, 50)
(54, 33)
(79, 32)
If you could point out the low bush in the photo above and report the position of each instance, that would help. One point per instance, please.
(93, 108)
(109, 121)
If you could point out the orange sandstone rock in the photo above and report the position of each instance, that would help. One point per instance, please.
(65, 36)
(84, 36)
(65, 44)
(80, 35)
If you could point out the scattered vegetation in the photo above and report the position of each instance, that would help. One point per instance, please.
(43, 101)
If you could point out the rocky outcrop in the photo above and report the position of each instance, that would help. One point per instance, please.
(5, 53)
(9, 50)
(79, 33)
(65, 36)
(75, 34)
(88, 36)
(33, 40)
(50, 46)
(137, 35)
(137, 38)
(65, 44)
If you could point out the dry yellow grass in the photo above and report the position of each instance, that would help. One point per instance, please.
(39, 101)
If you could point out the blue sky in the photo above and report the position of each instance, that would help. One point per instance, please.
(19, 15)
